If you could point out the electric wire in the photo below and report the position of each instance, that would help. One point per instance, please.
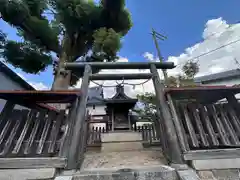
(209, 52)
(213, 50)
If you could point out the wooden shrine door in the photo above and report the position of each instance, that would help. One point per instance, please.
(121, 122)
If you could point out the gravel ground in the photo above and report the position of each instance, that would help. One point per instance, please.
(123, 159)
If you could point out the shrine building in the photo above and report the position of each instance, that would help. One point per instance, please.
(111, 113)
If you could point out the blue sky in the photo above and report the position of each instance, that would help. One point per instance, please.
(183, 22)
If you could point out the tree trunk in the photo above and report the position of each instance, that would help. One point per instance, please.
(62, 81)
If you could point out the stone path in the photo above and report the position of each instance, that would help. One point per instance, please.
(122, 156)
(117, 152)
(123, 159)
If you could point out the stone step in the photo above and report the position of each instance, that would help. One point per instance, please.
(121, 146)
(159, 172)
(27, 174)
(127, 136)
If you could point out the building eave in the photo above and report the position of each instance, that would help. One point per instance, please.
(16, 78)
(235, 73)
(96, 104)
(111, 101)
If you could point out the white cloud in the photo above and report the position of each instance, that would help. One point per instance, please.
(217, 32)
(36, 85)
(39, 85)
(149, 56)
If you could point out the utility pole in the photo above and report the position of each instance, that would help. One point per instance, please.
(157, 36)
(237, 63)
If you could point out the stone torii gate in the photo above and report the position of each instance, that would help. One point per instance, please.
(170, 135)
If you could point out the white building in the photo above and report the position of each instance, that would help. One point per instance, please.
(228, 78)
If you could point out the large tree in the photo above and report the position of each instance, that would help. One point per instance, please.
(79, 30)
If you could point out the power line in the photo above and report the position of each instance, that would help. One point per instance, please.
(237, 63)
(157, 36)
(209, 38)
(211, 51)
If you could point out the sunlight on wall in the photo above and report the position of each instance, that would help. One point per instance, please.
(97, 110)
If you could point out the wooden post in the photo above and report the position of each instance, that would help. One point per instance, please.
(162, 107)
(6, 111)
(179, 128)
(70, 122)
(129, 122)
(232, 100)
(74, 148)
(112, 120)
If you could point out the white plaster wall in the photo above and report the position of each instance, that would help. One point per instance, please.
(98, 110)
(142, 123)
(102, 125)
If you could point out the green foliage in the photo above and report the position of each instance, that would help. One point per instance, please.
(38, 31)
(2, 40)
(172, 81)
(149, 102)
(36, 7)
(190, 69)
(180, 81)
(26, 56)
(114, 6)
(35, 29)
(14, 12)
(85, 25)
(106, 43)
